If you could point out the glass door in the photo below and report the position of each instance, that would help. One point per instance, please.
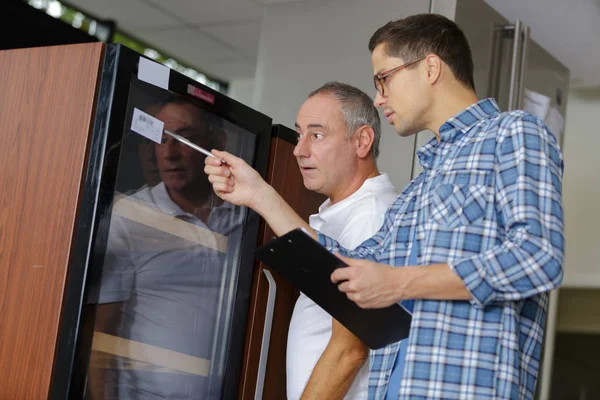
(164, 299)
(172, 259)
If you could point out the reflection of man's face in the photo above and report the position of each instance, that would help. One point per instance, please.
(181, 167)
(147, 154)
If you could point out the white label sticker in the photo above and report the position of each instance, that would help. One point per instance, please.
(555, 123)
(146, 125)
(536, 103)
(153, 73)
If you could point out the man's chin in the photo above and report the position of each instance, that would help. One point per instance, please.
(405, 131)
(310, 184)
(175, 184)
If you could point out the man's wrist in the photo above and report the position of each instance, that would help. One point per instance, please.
(264, 200)
(404, 282)
(433, 282)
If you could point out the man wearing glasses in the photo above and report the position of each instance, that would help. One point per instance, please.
(481, 228)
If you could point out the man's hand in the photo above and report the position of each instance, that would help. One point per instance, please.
(373, 285)
(367, 283)
(240, 184)
(236, 182)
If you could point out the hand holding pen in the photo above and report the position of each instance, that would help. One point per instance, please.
(192, 145)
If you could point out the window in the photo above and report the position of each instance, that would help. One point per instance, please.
(103, 30)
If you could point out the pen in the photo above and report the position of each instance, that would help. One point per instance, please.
(192, 145)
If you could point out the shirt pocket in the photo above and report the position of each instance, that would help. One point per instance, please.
(461, 199)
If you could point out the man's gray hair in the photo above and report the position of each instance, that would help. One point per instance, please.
(357, 107)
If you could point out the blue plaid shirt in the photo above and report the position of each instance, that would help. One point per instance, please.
(488, 203)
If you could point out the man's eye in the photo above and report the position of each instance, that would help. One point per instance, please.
(298, 136)
(317, 135)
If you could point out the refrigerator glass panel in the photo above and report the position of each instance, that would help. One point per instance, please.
(172, 260)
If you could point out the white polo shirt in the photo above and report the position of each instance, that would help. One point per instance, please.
(351, 222)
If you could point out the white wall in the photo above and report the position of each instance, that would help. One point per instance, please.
(581, 189)
(305, 44)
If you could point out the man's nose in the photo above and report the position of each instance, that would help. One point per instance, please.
(171, 148)
(301, 149)
(379, 100)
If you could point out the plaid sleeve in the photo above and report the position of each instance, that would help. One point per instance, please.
(370, 249)
(528, 203)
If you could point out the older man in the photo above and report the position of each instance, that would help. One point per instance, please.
(338, 142)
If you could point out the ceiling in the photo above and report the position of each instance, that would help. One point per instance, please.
(220, 37)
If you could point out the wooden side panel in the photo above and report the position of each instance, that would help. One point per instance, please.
(47, 99)
(283, 174)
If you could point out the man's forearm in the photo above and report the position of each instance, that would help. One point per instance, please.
(340, 362)
(433, 282)
(278, 214)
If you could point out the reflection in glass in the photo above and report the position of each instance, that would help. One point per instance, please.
(171, 263)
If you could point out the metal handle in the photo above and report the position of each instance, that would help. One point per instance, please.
(264, 348)
(523, 72)
(493, 60)
(515, 66)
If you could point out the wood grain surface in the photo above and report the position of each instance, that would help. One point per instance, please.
(47, 99)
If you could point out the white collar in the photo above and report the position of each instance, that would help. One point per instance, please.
(328, 210)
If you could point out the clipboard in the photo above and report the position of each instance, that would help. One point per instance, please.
(308, 265)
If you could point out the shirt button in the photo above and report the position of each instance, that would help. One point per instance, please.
(414, 198)
(405, 244)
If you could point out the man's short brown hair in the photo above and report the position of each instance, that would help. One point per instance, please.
(418, 35)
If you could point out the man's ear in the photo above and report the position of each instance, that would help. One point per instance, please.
(364, 141)
(434, 68)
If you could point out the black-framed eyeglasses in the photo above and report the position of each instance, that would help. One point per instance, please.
(379, 79)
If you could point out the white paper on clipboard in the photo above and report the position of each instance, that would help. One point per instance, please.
(153, 73)
(147, 126)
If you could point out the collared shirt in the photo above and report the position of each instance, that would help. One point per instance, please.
(396, 375)
(351, 221)
(488, 203)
